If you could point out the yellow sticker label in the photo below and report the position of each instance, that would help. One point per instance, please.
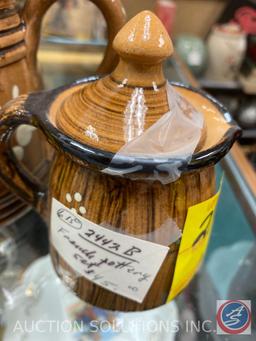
(194, 242)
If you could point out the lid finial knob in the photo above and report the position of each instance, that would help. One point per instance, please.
(142, 44)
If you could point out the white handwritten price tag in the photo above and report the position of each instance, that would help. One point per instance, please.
(117, 262)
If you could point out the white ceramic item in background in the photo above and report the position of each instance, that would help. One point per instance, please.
(226, 48)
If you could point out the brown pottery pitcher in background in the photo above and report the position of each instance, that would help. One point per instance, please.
(20, 37)
(88, 123)
(19, 42)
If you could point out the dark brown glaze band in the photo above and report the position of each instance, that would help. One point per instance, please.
(11, 48)
(4, 33)
(7, 12)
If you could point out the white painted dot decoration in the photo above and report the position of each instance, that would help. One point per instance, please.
(82, 210)
(15, 91)
(23, 135)
(18, 152)
(78, 197)
(68, 197)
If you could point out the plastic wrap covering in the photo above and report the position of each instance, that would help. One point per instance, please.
(169, 143)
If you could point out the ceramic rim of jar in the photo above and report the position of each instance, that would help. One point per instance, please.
(100, 159)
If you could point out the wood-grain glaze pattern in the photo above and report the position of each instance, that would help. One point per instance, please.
(102, 105)
(133, 207)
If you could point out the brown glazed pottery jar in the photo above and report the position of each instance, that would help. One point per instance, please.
(86, 123)
(19, 41)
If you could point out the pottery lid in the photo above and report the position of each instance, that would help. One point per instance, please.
(110, 112)
(134, 119)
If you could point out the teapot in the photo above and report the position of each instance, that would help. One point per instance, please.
(132, 155)
(19, 41)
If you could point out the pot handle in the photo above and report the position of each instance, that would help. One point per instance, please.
(12, 172)
(34, 11)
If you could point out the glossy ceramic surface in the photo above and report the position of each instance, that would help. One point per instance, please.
(142, 208)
